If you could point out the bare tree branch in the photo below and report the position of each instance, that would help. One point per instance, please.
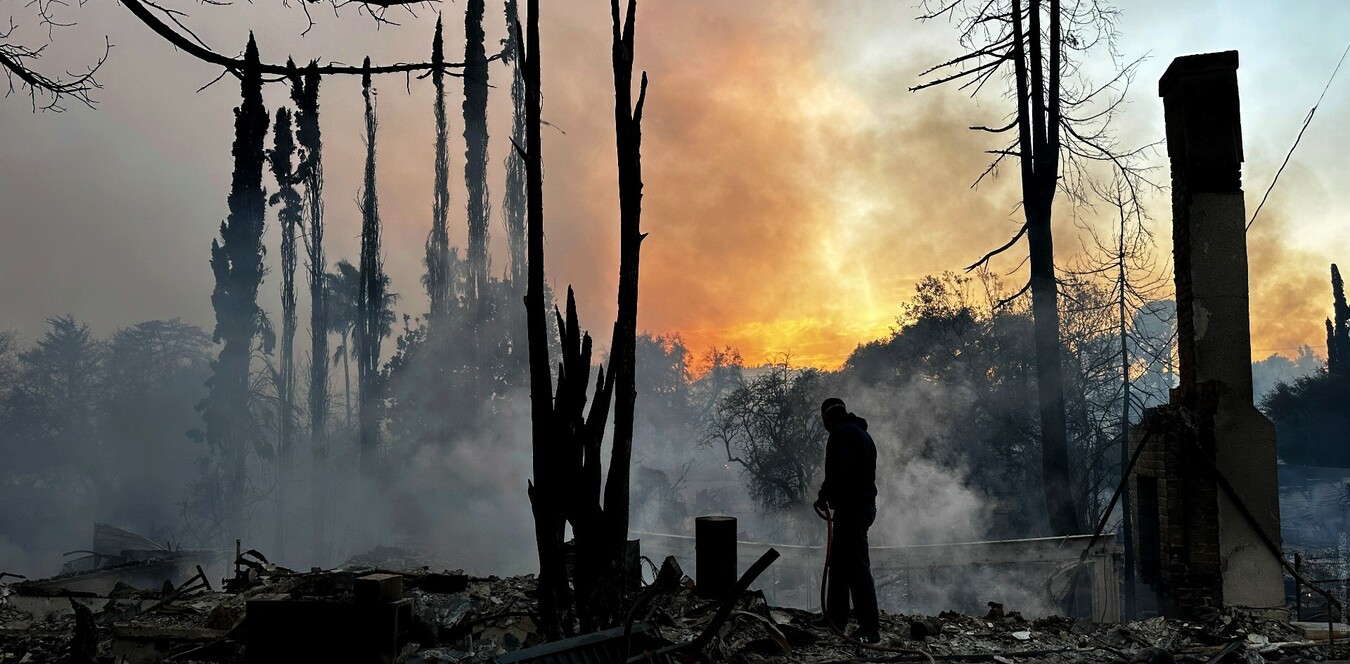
(984, 260)
(16, 60)
(235, 65)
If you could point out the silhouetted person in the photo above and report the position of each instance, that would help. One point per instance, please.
(850, 490)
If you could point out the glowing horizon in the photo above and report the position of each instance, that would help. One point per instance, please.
(795, 190)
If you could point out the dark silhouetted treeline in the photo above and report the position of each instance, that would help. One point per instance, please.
(1312, 413)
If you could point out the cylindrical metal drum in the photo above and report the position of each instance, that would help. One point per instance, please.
(715, 548)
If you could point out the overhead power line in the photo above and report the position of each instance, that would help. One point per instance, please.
(1298, 138)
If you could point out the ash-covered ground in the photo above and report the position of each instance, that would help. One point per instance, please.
(447, 616)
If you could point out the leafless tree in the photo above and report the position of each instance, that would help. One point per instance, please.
(770, 427)
(49, 91)
(1059, 128)
(1129, 280)
(568, 485)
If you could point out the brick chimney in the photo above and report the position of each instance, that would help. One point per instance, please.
(1194, 543)
(1209, 238)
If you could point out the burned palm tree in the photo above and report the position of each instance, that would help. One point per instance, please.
(292, 207)
(305, 94)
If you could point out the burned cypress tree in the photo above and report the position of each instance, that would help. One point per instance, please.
(292, 208)
(475, 150)
(305, 94)
(438, 281)
(370, 297)
(513, 206)
(1338, 329)
(237, 263)
(1333, 350)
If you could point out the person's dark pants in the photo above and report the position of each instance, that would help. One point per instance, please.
(851, 572)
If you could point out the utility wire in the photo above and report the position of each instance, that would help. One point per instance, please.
(1298, 138)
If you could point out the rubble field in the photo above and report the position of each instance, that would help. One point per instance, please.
(448, 616)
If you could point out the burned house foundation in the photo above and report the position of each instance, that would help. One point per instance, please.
(1206, 507)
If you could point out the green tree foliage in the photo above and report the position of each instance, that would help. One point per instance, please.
(956, 357)
(341, 288)
(665, 417)
(674, 408)
(451, 367)
(9, 368)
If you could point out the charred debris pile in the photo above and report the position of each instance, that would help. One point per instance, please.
(390, 606)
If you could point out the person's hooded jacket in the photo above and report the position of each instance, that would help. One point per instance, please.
(850, 485)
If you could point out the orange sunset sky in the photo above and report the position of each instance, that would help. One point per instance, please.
(795, 189)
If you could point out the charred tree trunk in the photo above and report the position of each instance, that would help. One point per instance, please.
(305, 94)
(370, 297)
(568, 484)
(604, 602)
(1038, 123)
(236, 261)
(544, 491)
(438, 241)
(1055, 135)
(579, 435)
(283, 169)
(1126, 516)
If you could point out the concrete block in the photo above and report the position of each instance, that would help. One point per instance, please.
(378, 588)
(1320, 631)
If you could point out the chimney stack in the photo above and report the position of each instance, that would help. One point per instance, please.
(1207, 506)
